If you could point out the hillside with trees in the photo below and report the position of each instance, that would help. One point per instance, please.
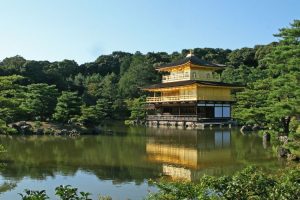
(89, 93)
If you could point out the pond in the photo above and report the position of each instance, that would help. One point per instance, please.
(120, 162)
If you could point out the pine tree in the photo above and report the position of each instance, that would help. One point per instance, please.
(275, 100)
(40, 100)
(68, 107)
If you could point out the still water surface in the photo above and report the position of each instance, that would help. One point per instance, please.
(119, 162)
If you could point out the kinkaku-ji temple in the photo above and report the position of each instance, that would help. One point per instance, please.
(190, 95)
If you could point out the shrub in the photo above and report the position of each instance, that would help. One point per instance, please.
(69, 193)
(63, 192)
(250, 183)
(34, 195)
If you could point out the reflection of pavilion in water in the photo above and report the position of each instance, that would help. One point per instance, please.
(188, 154)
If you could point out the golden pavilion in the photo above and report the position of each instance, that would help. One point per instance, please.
(191, 93)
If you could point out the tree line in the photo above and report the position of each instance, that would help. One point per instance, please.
(107, 88)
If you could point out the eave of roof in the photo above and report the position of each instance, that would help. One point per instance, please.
(190, 82)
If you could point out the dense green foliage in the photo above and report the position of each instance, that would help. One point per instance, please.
(31, 90)
(250, 183)
(274, 98)
(68, 107)
(40, 100)
(137, 110)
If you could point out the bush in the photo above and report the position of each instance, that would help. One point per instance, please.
(250, 183)
(69, 193)
(63, 192)
(4, 129)
(37, 124)
(34, 195)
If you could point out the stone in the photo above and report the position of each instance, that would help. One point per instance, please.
(173, 124)
(256, 127)
(23, 127)
(64, 132)
(163, 123)
(292, 157)
(283, 139)
(199, 125)
(39, 131)
(180, 124)
(74, 132)
(267, 137)
(246, 128)
(22, 123)
(283, 152)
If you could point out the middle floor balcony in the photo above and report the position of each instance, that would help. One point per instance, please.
(188, 98)
(171, 98)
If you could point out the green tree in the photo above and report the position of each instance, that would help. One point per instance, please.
(40, 100)
(277, 98)
(244, 56)
(137, 109)
(109, 88)
(92, 88)
(68, 107)
(58, 73)
(5, 129)
(251, 105)
(140, 73)
(11, 94)
(93, 115)
(12, 65)
(34, 71)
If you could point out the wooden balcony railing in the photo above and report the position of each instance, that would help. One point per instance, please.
(171, 98)
(173, 78)
(183, 77)
(186, 118)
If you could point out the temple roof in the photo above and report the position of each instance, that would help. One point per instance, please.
(193, 59)
(189, 82)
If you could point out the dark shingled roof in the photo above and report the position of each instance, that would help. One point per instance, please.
(189, 82)
(193, 59)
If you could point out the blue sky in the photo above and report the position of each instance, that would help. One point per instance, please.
(82, 30)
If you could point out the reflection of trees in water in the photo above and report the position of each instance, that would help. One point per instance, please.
(127, 157)
(242, 147)
(108, 157)
(248, 149)
(6, 185)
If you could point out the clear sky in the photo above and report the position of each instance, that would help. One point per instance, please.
(82, 30)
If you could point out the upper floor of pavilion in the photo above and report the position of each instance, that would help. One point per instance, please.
(190, 68)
